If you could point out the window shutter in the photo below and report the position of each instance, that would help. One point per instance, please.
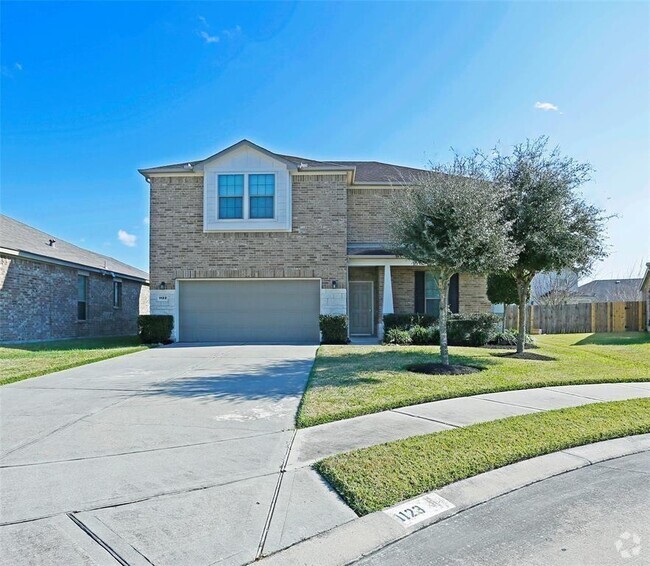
(419, 292)
(454, 293)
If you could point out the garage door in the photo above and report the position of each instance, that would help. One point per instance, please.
(250, 311)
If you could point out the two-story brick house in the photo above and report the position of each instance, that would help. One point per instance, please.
(251, 246)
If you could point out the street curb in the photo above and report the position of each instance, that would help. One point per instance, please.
(353, 540)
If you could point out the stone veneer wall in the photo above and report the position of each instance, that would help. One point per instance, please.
(38, 301)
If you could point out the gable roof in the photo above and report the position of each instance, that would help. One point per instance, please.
(604, 290)
(363, 172)
(28, 241)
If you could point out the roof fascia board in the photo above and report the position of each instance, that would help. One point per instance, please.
(44, 259)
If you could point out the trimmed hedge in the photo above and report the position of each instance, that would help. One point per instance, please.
(462, 329)
(334, 328)
(406, 321)
(471, 329)
(155, 328)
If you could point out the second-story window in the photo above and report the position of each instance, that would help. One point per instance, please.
(231, 196)
(261, 191)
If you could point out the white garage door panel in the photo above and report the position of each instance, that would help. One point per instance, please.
(252, 311)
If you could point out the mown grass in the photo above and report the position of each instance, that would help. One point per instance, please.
(21, 361)
(348, 381)
(374, 478)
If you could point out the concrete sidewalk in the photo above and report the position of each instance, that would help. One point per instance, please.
(314, 443)
(364, 536)
(304, 504)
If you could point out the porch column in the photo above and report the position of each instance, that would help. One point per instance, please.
(387, 303)
(387, 300)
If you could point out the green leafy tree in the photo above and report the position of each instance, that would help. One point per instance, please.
(502, 288)
(450, 220)
(548, 221)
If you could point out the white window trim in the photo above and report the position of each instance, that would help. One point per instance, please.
(246, 197)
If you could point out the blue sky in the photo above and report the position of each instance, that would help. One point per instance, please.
(92, 91)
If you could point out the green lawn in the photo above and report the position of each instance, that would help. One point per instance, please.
(348, 381)
(20, 361)
(380, 476)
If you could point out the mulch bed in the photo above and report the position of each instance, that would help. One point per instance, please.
(441, 369)
(526, 356)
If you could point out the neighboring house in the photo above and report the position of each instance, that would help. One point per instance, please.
(609, 290)
(645, 293)
(554, 287)
(251, 246)
(52, 289)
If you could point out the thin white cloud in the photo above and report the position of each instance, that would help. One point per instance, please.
(209, 38)
(203, 21)
(145, 221)
(126, 238)
(232, 33)
(546, 106)
(9, 71)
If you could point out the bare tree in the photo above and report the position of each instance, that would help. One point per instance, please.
(450, 220)
(554, 288)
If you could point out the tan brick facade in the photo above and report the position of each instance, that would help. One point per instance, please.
(471, 290)
(368, 215)
(316, 247)
(327, 214)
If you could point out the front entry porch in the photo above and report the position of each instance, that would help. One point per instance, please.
(372, 283)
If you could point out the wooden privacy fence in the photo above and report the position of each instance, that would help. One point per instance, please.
(581, 317)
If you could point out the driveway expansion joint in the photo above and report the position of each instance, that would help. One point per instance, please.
(98, 540)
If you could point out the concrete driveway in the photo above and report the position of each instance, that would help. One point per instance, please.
(167, 456)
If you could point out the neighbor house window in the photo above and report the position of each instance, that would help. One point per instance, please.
(261, 191)
(231, 196)
(117, 294)
(431, 295)
(82, 297)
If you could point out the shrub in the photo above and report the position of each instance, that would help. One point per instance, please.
(509, 338)
(398, 337)
(424, 335)
(471, 329)
(334, 328)
(406, 321)
(155, 328)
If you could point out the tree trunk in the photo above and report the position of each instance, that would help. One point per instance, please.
(443, 287)
(522, 292)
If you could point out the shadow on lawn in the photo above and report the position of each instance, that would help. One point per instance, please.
(615, 339)
(389, 359)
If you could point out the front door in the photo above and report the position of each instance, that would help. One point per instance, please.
(361, 308)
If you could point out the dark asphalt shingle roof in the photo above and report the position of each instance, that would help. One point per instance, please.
(20, 237)
(365, 171)
(604, 290)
